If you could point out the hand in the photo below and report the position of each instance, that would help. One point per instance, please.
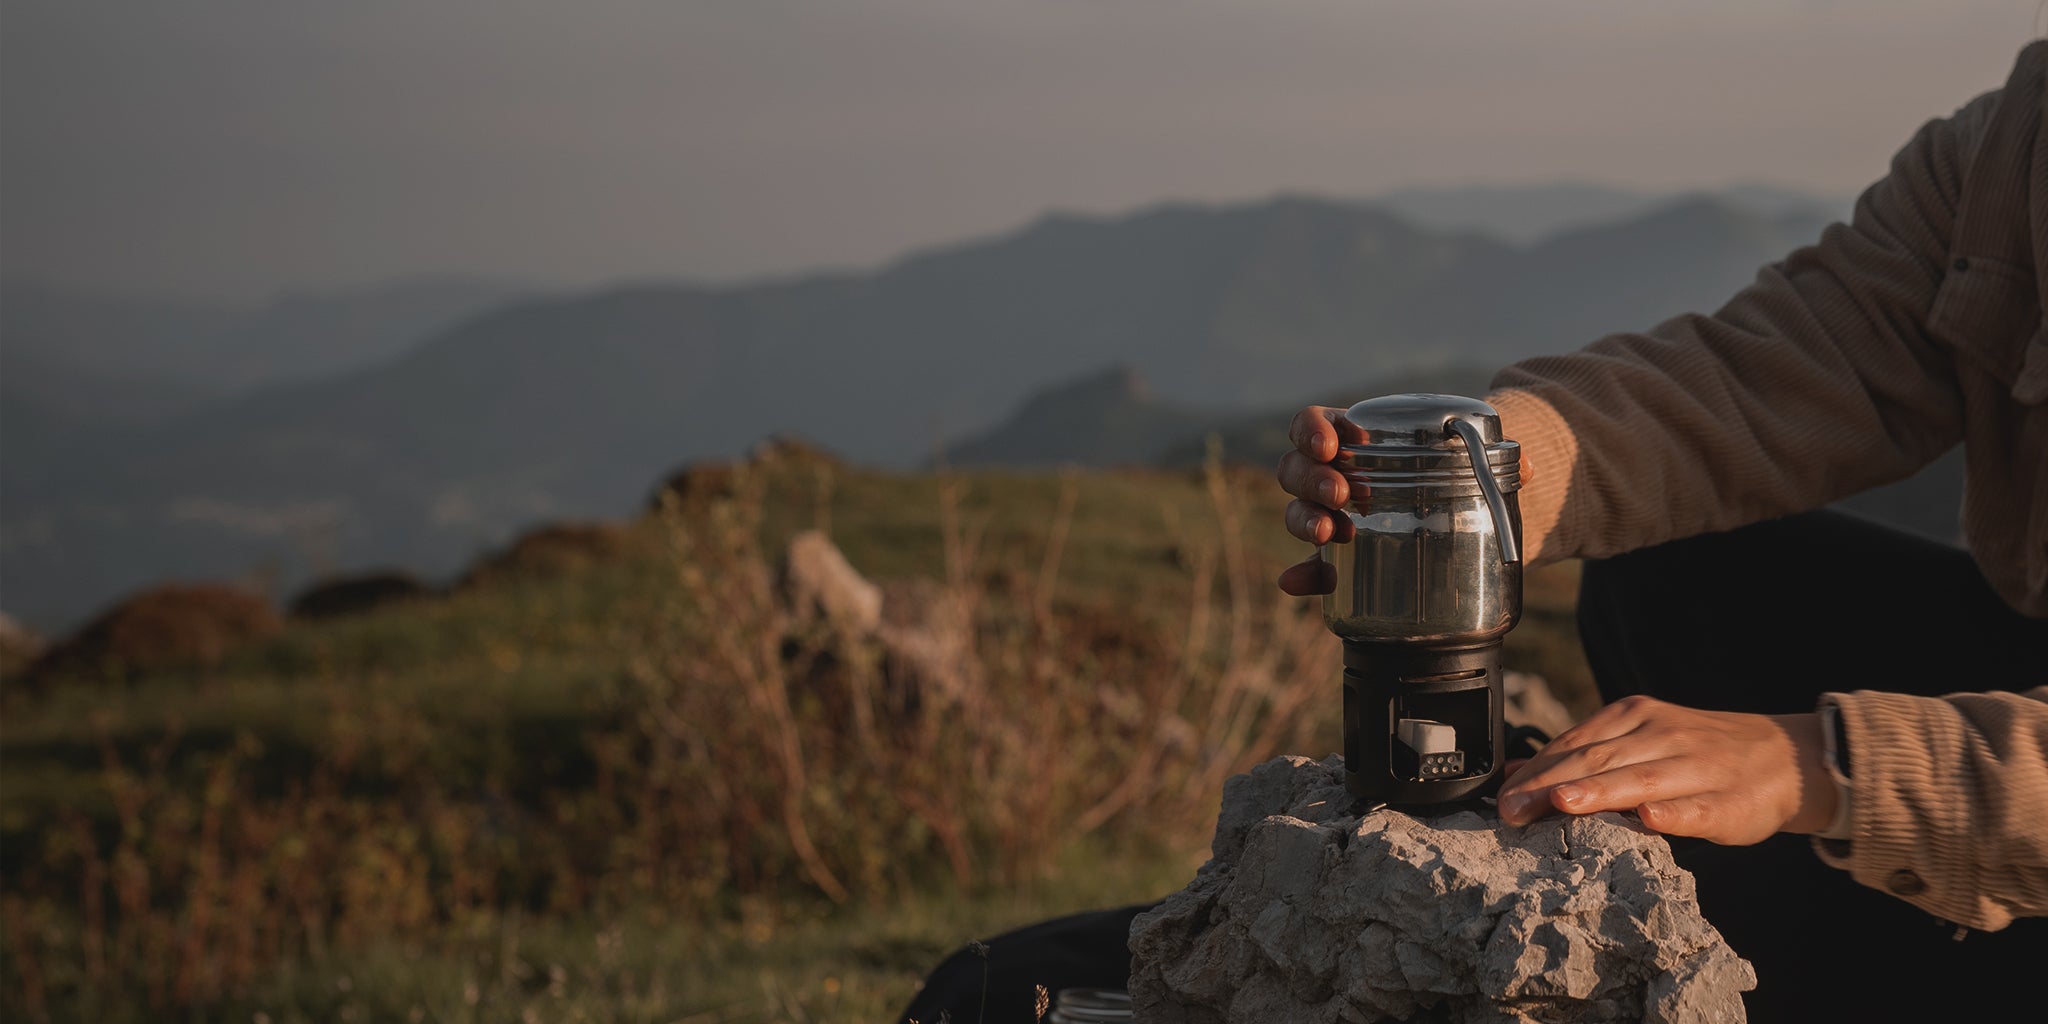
(1734, 779)
(1320, 491)
(1305, 472)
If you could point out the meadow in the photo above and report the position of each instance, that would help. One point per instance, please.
(637, 785)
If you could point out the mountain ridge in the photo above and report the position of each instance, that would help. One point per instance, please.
(567, 405)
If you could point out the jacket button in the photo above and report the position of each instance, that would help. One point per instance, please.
(1962, 263)
(1905, 882)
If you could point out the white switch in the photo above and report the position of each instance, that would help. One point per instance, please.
(1425, 736)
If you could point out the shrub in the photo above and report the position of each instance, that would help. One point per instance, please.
(172, 626)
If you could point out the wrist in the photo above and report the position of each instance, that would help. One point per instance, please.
(1835, 763)
(1819, 800)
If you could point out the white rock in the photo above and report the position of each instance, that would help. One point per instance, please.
(820, 586)
(1530, 702)
(1309, 911)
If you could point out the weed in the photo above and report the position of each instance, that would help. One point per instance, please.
(641, 786)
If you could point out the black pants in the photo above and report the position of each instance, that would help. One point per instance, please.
(1087, 950)
(1765, 619)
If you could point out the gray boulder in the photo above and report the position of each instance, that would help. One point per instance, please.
(819, 587)
(1530, 702)
(1311, 911)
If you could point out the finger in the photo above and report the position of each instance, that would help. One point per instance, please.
(1314, 432)
(1312, 481)
(1308, 521)
(1609, 722)
(1532, 792)
(1691, 815)
(1626, 787)
(1317, 525)
(1547, 769)
(1308, 578)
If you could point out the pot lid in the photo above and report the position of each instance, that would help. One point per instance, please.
(1420, 420)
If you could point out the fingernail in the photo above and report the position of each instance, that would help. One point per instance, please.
(1515, 808)
(1569, 793)
(1328, 491)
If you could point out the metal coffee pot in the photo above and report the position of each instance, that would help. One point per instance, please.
(1427, 586)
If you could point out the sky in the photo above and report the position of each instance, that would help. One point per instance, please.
(233, 149)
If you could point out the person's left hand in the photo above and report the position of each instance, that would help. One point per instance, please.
(1731, 778)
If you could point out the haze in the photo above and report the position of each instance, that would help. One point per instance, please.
(235, 148)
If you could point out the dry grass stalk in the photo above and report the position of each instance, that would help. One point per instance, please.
(740, 755)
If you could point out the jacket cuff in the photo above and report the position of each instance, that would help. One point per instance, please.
(1908, 833)
(1549, 452)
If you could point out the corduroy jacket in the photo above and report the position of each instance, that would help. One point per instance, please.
(1916, 325)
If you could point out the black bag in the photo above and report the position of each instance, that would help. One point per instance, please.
(1085, 950)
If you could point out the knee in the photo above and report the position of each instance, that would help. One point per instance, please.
(1619, 624)
(1610, 601)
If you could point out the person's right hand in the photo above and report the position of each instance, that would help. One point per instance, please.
(1319, 491)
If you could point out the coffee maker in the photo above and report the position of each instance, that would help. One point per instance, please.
(1427, 587)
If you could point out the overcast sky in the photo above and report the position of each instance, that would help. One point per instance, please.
(238, 147)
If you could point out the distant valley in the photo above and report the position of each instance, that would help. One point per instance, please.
(442, 427)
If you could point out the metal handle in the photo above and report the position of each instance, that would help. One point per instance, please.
(1475, 446)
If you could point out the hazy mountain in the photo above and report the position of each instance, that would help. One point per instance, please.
(1686, 256)
(141, 336)
(83, 374)
(212, 349)
(67, 357)
(300, 337)
(1259, 438)
(1107, 418)
(573, 406)
(1526, 214)
(1110, 419)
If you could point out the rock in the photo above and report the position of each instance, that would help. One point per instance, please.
(880, 654)
(894, 647)
(820, 588)
(927, 641)
(1530, 702)
(19, 646)
(1310, 911)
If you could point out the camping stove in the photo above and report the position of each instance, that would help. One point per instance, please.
(1426, 589)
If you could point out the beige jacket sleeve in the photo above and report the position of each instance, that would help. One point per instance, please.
(1819, 380)
(1950, 805)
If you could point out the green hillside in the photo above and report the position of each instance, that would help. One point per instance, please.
(632, 782)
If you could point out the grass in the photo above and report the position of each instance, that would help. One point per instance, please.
(764, 963)
(640, 788)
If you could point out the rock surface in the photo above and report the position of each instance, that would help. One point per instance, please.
(820, 587)
(1309, 911)
(910, 636)
(19, 645)
(1530, 702)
